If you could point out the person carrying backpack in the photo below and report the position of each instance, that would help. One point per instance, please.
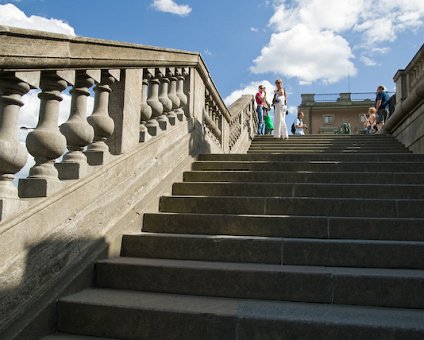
(382, 106)
(298, 126)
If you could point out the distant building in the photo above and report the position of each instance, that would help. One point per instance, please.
(325, 113)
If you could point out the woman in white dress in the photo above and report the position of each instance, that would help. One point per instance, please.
(280, 108)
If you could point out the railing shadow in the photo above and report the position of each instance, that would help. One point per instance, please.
(57, 266)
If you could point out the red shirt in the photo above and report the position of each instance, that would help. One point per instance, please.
(259, 99)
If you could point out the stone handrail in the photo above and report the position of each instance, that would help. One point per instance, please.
(243, 118)
(52, 63)
(406, 122)
(95, 175)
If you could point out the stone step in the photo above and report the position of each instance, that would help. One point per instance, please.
(274, 250)
(329, 145)
(402, 229)
(301, 151)
(330, 137)
(251, 189)
(72, 337)
(318, 150)
(304, 177)
(327, 142)
(340, 207)
(334, 166)
(377, 157)
(354, 286)
(145, 316)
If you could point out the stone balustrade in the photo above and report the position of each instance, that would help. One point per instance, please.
(94, 175)
(407, 121)
(165, 78)
(243, 114)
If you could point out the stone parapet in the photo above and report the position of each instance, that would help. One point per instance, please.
(407, 121)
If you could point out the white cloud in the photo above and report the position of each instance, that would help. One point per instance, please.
(286, 54)
(170, 6)
(312, 38)
(334, 15)
(368, 61)
(10, 15)
(207, 52)
(251, 88)
(254, 29)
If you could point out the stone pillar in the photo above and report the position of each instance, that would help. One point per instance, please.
(13, 155)
(146, 110)
(153, 101)
(98, 152)
(175, 100)
(181, 76)
(166, 102)
(400, 79)
(77, 131)
(308, 98)
(46, 143)
(124, 109)
(345, 97)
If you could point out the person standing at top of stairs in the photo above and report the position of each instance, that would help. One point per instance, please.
(280, 108)
(260, 102)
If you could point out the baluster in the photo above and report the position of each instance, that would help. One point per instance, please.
(46, 143)
(217, 115)
(153, 101)
(179, 94)
(181, 76)
(146, 110)
(166, 102)
(13, 155)
(98, 152)
(77, 131)
(175, 100)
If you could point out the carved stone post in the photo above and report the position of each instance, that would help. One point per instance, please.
(153, 101)
(46, 143)
(76, 129)
(181, 75)
(172, 95)
(98, 152)
(13, 155)
(166, 102)
(145, 110)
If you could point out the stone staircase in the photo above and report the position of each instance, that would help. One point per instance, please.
(317, 237)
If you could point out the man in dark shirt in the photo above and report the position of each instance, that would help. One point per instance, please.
(382, 106)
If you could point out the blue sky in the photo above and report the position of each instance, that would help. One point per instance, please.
(316, 46)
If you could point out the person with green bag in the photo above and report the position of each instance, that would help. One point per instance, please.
(269, 125)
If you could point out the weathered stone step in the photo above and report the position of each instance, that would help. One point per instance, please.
(388, 157)
(330, 146)
(274, 250)
(381, 287)
(251, 189)
(298, 141)
(316, 152)
(330, 137)
(72, 337)
(304, 177)
(146, 316)
(335, 166)
(319, 150)
(405, 229)
(340, 207)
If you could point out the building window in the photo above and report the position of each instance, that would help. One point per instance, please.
(328, 120)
